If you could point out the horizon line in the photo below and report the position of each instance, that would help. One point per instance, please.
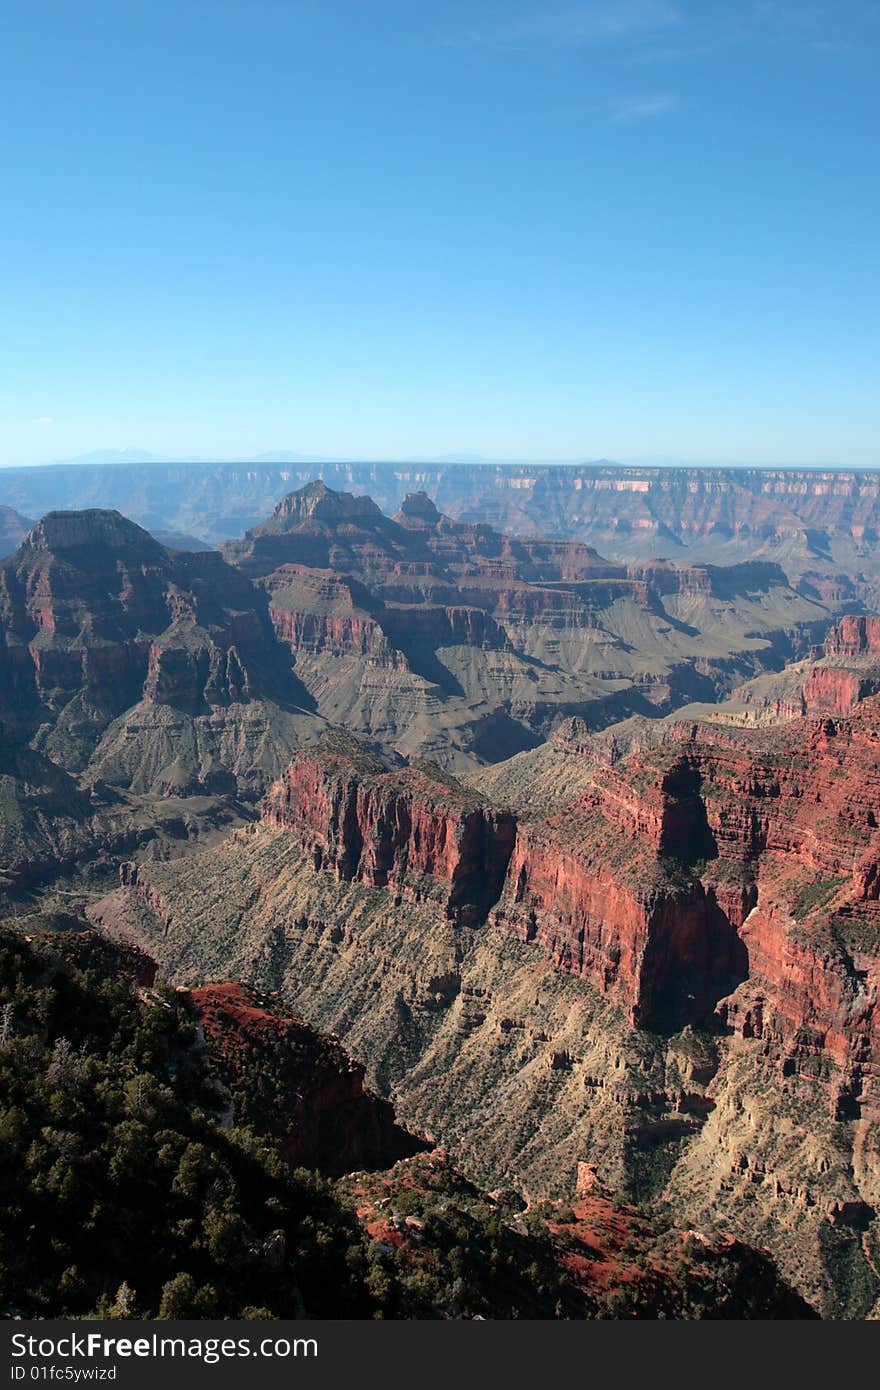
(431, 464)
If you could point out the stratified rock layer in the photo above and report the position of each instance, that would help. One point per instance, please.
(441, 638)
(821, 521)
(91, 604)
(401, 830)
(131, 677)
(716, 889)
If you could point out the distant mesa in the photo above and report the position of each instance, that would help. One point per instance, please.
(104, 528)
(417, 507)
(824, 521)
(107, 530)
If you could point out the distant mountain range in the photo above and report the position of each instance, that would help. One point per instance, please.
(131, 454)
(101, 456)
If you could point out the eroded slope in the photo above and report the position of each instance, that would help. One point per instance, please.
(677, 981)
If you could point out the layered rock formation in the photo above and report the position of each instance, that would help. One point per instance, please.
(840, 672)
(91, 605)
(777, 837)
(406, 831)
(425, 636)
(854, 636)
(607, 889)
(818, 521)
(643, 884)
(652, 948)
(691, 938)
(129, 668)
(448, 639)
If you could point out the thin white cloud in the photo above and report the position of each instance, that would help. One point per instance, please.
(43, 420)
(596, 22)
(677, 30)
(644, 108)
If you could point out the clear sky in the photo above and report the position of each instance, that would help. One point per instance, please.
(380, 228)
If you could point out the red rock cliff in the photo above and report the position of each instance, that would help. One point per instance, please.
(608, 887)
(403, 830)
(716, 871)
(91, 605)
(854, 635)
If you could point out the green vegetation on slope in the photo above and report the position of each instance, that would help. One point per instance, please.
(442, 1247)
(124, 1195)
(115, 1171)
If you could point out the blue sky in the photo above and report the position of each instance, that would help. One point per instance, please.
(380, 228)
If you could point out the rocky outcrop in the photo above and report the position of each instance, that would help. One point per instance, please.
(836, 690)
(131, 671)
(839, 673)
(524, 1069)
(92, 606)
(405, 831)
(130, 877)
(719, 581)
(417, 510)
(320, 611)
(287, 1080)
(854, 636)
(332, 634)
(664, 950)
(665, 953)
(793, 818)
(599, 1256)
(848, 669)
(444, 627)
(233, 666)
(325, 613)
(323, 529)
(407, 624)
(648, 884)
(813, 1005)
(611, 889)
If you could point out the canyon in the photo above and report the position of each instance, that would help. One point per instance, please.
(677, 975)
(429, 637)
(822, 523)
(149, 696)
(575, 850)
